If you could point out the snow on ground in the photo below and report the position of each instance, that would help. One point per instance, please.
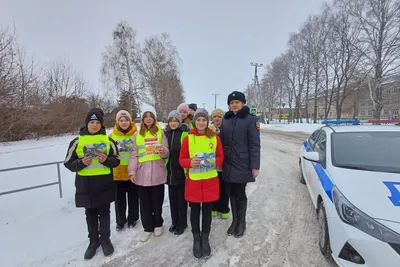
(292, 127)
(37, 228)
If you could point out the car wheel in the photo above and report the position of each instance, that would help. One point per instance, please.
(302, 180)
(324, 242)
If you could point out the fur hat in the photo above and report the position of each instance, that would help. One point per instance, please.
(201, 112)
(236, 95)
(217, 112)
(95, 114)
(183, 107)
(175, 114)
(123, 113)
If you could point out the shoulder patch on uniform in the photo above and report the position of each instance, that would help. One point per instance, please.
(257, 125)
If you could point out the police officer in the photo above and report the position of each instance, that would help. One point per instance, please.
(240, 136)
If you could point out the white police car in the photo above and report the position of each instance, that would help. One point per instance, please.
(353, 176)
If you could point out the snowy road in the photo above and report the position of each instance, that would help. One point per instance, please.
(281, 225)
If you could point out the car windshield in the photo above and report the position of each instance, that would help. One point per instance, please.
(370, 151)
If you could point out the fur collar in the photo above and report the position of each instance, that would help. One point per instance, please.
(243, 113)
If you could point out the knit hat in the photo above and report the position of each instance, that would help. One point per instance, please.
(123, 113)
(175, 114)
(193, 106)
(217, 112)
(183, 107)
(99, 110)
(236, 95)
(201, 112)
(95, 114)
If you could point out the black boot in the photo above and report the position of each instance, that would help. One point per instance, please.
(205, 246)
(107, 246)
(105, 234)
(92, 248)
(232, 228)
(132, 224)
(93, 234)
(120, 227)
(241, 226)
(197, 246)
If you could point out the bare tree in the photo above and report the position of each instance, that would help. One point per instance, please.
(379, 24)
(61, 82)
(119, 66)
(158, 59)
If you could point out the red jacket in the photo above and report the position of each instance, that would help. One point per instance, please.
(200, 190)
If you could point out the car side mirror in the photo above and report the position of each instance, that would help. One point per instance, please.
(311, 156)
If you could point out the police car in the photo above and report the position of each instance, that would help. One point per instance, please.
(352, 173)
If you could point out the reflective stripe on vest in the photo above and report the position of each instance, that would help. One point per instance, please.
(147, 150)
(124, 143)
(89, 144)
(203, 147)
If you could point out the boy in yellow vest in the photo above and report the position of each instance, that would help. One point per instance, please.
(124, 129)
(92, 156)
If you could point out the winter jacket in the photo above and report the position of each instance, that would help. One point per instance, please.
(92, 191)
(199, 191)
(121, 172)
(240, 136)
(175, 173)
(150, 173)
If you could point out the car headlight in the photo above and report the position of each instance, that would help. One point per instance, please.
(349, 214)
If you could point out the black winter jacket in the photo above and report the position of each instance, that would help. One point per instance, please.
(92, 191)
(240, 136)
(175, 175)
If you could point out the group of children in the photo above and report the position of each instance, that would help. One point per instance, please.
(132, 166)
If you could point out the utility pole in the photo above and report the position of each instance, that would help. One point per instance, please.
(204, 105)
(257, 86)
(215, 100)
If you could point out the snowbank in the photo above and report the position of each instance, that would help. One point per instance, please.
(292, 127)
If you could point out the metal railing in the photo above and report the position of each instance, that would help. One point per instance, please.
(36, 186)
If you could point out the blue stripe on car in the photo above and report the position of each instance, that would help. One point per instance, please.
(326, 182)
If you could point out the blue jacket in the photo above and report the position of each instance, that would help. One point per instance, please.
(240, 136)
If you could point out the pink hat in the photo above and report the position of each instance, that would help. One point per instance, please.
(123, 113)
(183, 107)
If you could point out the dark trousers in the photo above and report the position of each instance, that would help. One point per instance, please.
(126, 189)
(178, 205)
(151, 202)
(237, 191)
(222, 204)
(98, 222)
(205, 209)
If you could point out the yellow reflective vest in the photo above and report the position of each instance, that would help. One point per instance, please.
(124, 143)
(204, 148)
(146, 144)
(89, 144)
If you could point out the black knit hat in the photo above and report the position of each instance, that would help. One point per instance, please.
(193, 106)
(236, 95)
(95, 114)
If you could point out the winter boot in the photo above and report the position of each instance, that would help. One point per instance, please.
(205, 246)
(92, 249)
(232, 228)
(132, 224)
(120, 227)
(105, 234)
(197, 246)
(107, 246)
(93, 230)
(241, 226)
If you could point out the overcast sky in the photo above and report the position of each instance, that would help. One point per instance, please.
(216, 39)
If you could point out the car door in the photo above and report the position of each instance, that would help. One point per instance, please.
(320, 147)
(306, 165)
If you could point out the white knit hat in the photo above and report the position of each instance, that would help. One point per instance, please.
(123, 113)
